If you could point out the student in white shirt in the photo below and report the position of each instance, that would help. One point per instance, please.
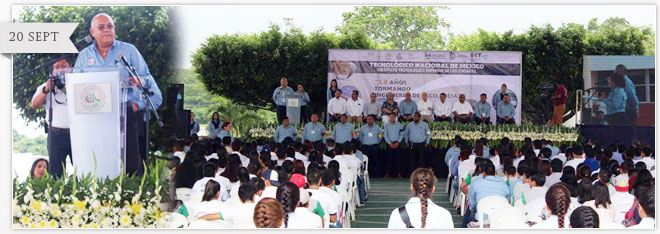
(555, 176)
(442, 109)
(299, 152)
(268, 213)
(270, 178)
(208, 171)
(327, 183)
(601, 202)
(210, 203)
(422, 212)
(621, 201)
(337, 106)
(240, 215)
(327, 201)
(577, 157)
(646, 158)
(354, 108)
(646, 209)
(536, 182)
(557, 200)
(584, 217)
(289, 196)
(425, 108)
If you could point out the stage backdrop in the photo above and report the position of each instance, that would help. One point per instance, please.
(471, 73)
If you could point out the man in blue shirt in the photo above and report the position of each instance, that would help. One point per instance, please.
(285, 130)
(506, 111)
(482, 111)
(490, 185)
(313, 131)
(370, 135)
(106, 52)
(498, 97)
(418, 136)
(632, 103)
(279, 97)
(454, 151)
(304, 101)
(407, 108)
(343, 132)
(393, 137)
(591, 161)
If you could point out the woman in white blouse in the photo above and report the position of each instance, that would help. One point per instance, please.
(210, 203)
(289, 195)
(557, 202)
(422, 212)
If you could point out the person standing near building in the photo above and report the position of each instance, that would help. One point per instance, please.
(304, 103)
(632, 103)
(560, 105)
(279, 98)
(59, 139)
(393, 137)
(418, 137)
(370, 135)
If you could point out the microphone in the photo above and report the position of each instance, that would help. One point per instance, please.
(85, 40)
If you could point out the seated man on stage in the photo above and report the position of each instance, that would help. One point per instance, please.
(354, 107)
(482, 111)
(337, 106)
(372, 108)
(390, 106)
(462, 110)
(285, 130)
(506, 111)
(425, 108)
(407, 108)
(105, 52)
(442, 109)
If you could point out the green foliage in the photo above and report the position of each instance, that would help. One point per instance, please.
(246, 68)
(401, 27)
(555, 55)
(148, 28)
(23, 144)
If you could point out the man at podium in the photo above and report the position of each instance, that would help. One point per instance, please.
(106, 52)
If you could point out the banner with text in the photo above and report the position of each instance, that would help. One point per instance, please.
(453, 73)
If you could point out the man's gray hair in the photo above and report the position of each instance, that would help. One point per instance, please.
(91, 24)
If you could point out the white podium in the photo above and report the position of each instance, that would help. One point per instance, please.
(97, 121)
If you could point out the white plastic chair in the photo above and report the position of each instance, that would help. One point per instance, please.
(534, 209)
(183, 194)
(508, 218)
(205, 224)
(176, 220)
(449, 178)
(487, 204)
(365, 173)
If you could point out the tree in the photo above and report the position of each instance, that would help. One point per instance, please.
(246, 68)
(23, 144)
(555, 55)
(401, 27)
(148, 28)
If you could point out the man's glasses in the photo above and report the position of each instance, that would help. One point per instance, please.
(101, 27)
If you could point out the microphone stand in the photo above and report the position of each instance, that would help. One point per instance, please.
(150, 106)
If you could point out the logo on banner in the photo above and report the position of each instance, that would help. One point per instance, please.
(484, 56)
(452, 55)
(93, 98)
(399, 56)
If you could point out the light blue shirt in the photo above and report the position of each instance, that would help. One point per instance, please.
(489, 186)
(631, 94)
(90, 57)
(343, 132)
(195, 128)
(313, 132)
(212, 130)
(497, 98)
(616, 101)
(370, 135)
(223, 133)
(504, 109)
(553, 149)
(304, 98)
(485, 153)
(407, 107)
(283, 132)
(418, 132)
(359, 155)
(482, 108)
(393, 132)
(452, 153)
(279, 95)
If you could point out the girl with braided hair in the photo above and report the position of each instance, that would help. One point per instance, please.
(584, 217)
(558, 201)
(268, 213)
(289, 196)
(420, 210)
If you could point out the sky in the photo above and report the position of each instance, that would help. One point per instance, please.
(200, 22)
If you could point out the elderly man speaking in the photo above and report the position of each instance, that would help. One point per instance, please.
(106, 52)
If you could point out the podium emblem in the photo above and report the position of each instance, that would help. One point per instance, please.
(93, 98)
